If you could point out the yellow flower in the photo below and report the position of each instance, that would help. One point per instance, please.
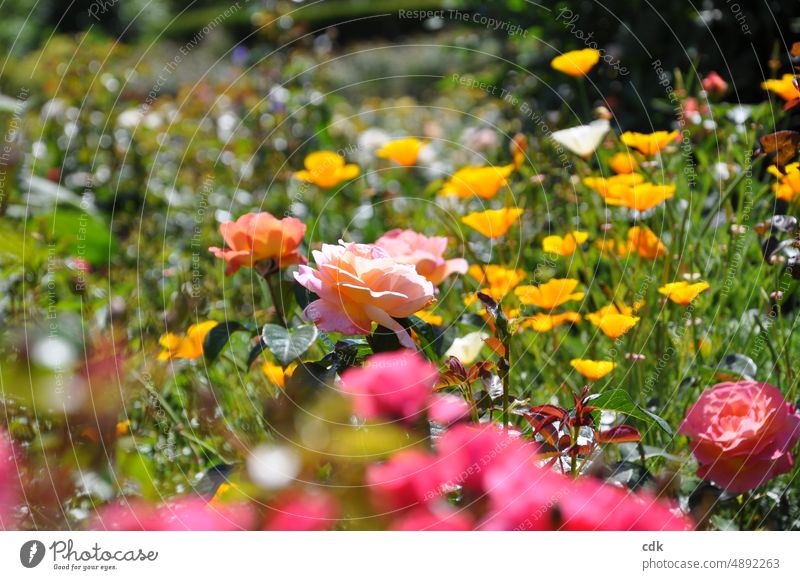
(576, 63)
(429, 317)
(564, 246)
(543, 322)
(189, 346)
(492, 223)
(788, 185)
(326, 169)
(623, 163)
(641, 197)
(549, 295)
(784, 87)
(608, 187)
(484, 182)
(227, 491)
(644, 242)
(499, 281)
(682, 292)
(612, 322)
(648, 143)
(594, 370)
(402, 151)
(274, 373)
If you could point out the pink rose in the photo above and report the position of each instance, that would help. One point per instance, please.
(183, 514)
(392, 385)
(409, 479)
(424, 253)
(439, 520)
(742, 434)
(9, 482)
(302, 512)
(359, 284)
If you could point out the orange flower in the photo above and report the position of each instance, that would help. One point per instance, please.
(549, 295)
(623, 163)
(498, 282)
(784, 87)
(641, 197)
(274, 373)
(484, 182)
(543, 322)
(189, 346)
(609, 186)
(402, 151)
(564, 246)
(682, 292)
(612, 322)
(576, 63)
(648, 143)
(644, 242)
(492, 223)
(256, 237)
(594, 370)
(788, 185)
(326, 169)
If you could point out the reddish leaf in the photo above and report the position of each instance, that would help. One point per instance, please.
(496, 345)
(619, 434)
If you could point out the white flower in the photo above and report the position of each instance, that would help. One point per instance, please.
(583, 140)
(467, 348)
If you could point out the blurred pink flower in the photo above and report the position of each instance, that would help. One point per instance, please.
(742, 434)
(407, 480)
(9, 482)
(392, 385)
(714, 84)
(359, 284)
(439, 520)
(302, 512)
(184, 514)
(425, 253)
(447, 408)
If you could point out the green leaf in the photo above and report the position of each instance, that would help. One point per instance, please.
(621, 402)
(287, 345)
(217, 338)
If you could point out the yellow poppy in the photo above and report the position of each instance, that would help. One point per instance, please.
(274, 373)
(682, 292)
(326, 169)
(498, 282)
(644, 242)
(612, 322)
(564, 246)
(576, 63)
(648, 143)
(641, 197)
(429, 317)
(189, 346)
(550, 294)
(123, 427)
(623, 163)
(594, 370)
(788, 185)
(784, 87)
(226, 492)
(492, 223)
(608, 187)
(402, 151)
(545, 322)
(483, 182)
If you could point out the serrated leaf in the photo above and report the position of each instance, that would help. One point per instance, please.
(621, 402)
(218, 337)
(288, 344)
